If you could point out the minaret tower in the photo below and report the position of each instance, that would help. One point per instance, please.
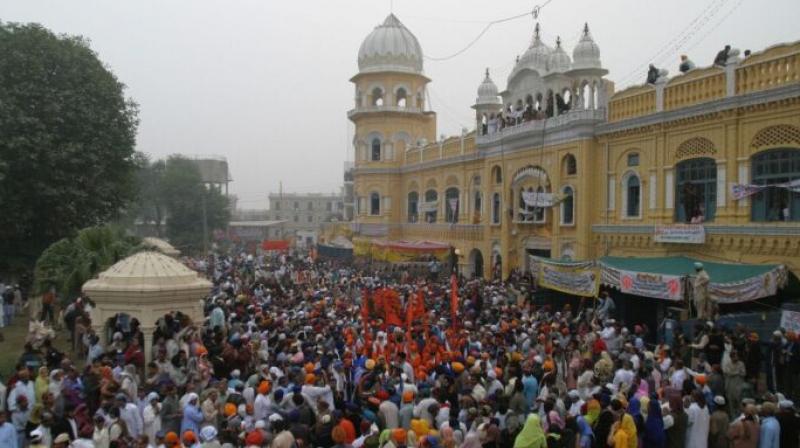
(390, 117)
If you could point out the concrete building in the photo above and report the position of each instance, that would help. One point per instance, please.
(303, 215)
(562, 166)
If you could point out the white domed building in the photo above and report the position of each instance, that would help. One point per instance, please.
(546, 82)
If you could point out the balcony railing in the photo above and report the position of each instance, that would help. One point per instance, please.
(385, 108)
(540, 125)
(443, 231)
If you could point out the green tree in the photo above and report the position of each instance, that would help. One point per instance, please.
(70, 262)
(187, 200)
(67, 137)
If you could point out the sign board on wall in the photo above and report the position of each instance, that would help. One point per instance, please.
(680, 233)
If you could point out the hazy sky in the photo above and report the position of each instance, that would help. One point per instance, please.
(265, 82)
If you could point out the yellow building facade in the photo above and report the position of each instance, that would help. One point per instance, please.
(560, 165)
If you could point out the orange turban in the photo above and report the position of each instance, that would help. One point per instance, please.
(171, 437)
(399, 436)
(263, 388)
(338, 434)
(700, 379)
(230, 409)
(458, 367)
(311, 378)
(408, 396)
(309, 367)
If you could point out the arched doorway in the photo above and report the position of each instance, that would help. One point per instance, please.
(476, 263)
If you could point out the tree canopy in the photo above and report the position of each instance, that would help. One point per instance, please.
(67, 137)
(174, 189)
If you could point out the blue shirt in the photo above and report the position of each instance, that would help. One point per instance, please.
(8, 436)
(530, 387)
(770, 433)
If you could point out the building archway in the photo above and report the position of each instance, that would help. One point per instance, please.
(476, 263)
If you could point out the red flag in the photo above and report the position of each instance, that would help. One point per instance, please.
(365, 320)
(453, 299)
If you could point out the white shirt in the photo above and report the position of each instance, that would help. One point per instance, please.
(623, 377)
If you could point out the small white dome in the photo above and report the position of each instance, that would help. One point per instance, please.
(586, 54)
(390, 47)
(536, 57)
(559, 61)
(487, 92)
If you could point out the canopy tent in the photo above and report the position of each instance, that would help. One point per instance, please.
(337, 252)
(400, 251)
(665, 278)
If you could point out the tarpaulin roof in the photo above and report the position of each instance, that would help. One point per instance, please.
(682, 266)
(274, 245)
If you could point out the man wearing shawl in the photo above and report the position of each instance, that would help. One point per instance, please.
(192, 415)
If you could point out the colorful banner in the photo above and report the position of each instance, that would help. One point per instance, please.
(680, 233)
(579, 279)
(790, 320)
(753, 288)
(669, 287)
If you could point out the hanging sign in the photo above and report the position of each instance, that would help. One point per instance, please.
(680, 233)
(579, 279)
(790, 320)
(453, 204)
(428, 207)
(669, 287)
(538, 199)
(741, 191)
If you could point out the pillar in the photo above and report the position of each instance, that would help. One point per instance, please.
(147, 332)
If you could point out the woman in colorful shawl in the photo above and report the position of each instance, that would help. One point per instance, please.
(635, 410)
(624, 433)
(532, 434)
(592, 411)
(585, 434)
(654, 434)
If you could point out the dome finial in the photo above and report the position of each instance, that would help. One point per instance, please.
(585, 28)
(487, 72)
(536, 31)
(558, 41)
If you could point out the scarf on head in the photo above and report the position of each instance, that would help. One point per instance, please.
(532, 434)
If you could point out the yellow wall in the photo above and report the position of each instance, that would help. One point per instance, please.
(727, 114)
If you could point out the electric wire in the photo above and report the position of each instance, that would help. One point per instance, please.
(534, 13)
(675, 44)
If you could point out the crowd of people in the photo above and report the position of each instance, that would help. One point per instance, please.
(300, 353)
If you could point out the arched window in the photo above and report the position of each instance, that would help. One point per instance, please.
(773, 168)
(497, 175)
(401, 97)
(377, 96)
(451, 205)
(431, 205)
(374, 204)
(413, 206)
(568, 206)
(477, 206)
(376, 150)
(696, 190)
(633, 196)
(496, 208)
(570, 165)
